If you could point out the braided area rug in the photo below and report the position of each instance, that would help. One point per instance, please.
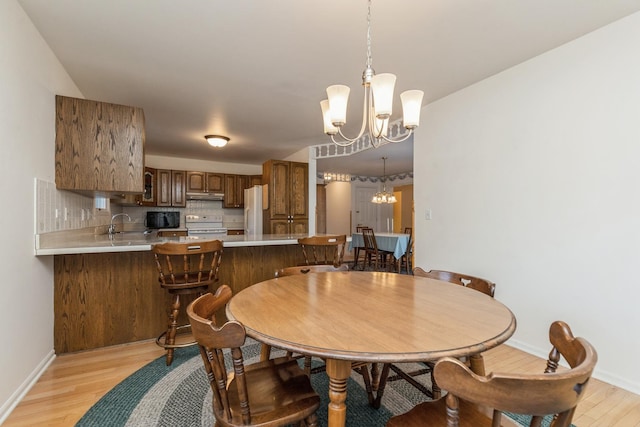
(180, 396)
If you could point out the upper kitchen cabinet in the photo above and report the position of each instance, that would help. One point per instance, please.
(256, 180)
(171, 186)
(205, 182)
(287, 211)
(148, 198)
(99, 147)
(234, 186)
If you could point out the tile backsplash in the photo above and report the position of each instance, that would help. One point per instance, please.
(59, 210)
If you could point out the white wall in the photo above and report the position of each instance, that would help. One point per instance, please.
(30, 77)
(338, 208)
(533, 180)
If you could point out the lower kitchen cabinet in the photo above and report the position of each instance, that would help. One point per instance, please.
(289, 226)
(169, 233)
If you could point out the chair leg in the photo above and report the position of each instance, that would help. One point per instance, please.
(364, 371)
(170, 338)
(436, 392)
(265, 352)
(312, 420)
(307, 365)
(381, 385)
(356, 254)
(476, 364)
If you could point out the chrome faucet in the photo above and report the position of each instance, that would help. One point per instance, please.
(112, 226)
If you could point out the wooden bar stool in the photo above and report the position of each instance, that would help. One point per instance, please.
(184, 269)
(323, 250)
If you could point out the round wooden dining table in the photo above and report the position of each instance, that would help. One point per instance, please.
(369, 317)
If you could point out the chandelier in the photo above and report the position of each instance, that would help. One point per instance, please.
(384, 197)
(377, 109)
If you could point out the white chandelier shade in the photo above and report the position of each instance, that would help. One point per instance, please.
(382, 86)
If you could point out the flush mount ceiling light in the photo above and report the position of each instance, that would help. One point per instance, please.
(216, 140)
(378, 100)
(384, 197)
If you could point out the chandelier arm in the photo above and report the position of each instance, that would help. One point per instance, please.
(398, 140)
(363, 127)
(347, 142)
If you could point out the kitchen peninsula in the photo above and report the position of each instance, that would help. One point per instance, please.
(106, 290)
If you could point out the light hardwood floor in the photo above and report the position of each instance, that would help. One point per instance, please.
(74, 382)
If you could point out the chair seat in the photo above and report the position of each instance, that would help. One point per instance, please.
(434, 413)
(276, 385)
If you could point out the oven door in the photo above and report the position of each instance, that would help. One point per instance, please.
(207, 233)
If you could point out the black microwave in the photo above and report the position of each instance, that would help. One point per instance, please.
(163, 220)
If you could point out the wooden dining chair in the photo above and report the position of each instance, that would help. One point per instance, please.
(356, 249)
(405, 259)
(306, 269)
(184, 270)
(323, 250)
(479, 284)
(478, 400)
(378, 257)
(475, 362)
(271, 393)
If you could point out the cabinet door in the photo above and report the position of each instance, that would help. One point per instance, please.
(163, 193)
(300, 226)
(230, 191)
(256, 180)
(215, 182)
(148, 198)
(98, 146)
(279, 227)
(196, 182)
(242, 183)
(298, 190)
(278, 190)
(179, 185)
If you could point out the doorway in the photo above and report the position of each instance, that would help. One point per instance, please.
(365, 212)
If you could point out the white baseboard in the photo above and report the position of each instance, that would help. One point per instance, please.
(8, 406)
(599, 374)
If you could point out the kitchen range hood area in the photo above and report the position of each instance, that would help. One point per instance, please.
(205, 196)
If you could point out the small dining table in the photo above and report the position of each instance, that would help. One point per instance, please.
(396, 243)
(373, 317)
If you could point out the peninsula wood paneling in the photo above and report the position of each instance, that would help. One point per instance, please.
(114, 298)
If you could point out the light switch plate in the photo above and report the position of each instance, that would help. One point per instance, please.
(427, 214)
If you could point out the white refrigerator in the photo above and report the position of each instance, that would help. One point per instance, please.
(253, 210)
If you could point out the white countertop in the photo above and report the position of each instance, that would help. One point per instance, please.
(79, 242)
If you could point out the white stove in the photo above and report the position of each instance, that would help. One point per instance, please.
(205, 226)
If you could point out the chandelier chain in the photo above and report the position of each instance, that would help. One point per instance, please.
(369, 56)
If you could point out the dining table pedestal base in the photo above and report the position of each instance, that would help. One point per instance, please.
(338, 372)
